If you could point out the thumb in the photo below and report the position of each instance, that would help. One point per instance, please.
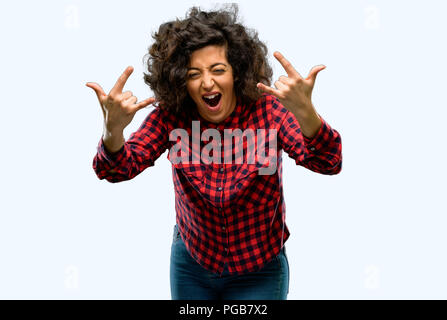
(98, 90)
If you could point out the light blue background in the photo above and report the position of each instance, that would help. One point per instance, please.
(374, 231)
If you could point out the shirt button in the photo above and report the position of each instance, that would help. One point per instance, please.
(312, 149)
(223, 228)
(220, 188)
(221, 169)
(226, 249)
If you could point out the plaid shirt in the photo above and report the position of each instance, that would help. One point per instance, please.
(226, 212)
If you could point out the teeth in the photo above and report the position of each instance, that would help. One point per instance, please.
(211, 97)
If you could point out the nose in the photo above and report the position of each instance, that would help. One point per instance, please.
(207, 82)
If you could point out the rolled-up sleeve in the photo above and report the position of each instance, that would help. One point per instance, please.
(321, 153)
(139, 152)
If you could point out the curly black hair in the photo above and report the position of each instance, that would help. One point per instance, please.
(169, 56)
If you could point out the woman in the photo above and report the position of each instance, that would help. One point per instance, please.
(210, 74)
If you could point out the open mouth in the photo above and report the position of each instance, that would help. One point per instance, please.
(212, 100)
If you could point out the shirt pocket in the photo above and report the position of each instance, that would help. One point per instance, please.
(190, 176)
(194, 172)
(246, 178)
(249, 171)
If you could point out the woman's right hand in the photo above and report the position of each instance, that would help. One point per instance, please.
(118, 108)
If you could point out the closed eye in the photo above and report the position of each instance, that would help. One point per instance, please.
(193, 75)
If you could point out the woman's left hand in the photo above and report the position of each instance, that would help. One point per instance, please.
(293, 91)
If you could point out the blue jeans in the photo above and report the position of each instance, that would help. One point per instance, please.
(191, 281)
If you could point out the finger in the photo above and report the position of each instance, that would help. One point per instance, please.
(119, 85)
(269, 90)
(100, 94)
(280, 86)
(130, 101)
(313, 73)
(97, 88)
(144, 103)
(286, 65)
(127, 95)
(285, 80)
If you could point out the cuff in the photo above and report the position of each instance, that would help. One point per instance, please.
(112, 158)
(321, 139)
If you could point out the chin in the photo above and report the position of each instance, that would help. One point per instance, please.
(213, 118)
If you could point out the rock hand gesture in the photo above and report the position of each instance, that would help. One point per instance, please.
(295, 92)
(118, 107)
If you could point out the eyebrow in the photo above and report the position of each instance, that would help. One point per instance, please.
(212, 66)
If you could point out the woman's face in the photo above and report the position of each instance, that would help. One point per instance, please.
(210, 74)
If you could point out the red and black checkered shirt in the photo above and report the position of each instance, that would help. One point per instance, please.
(226, 212)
